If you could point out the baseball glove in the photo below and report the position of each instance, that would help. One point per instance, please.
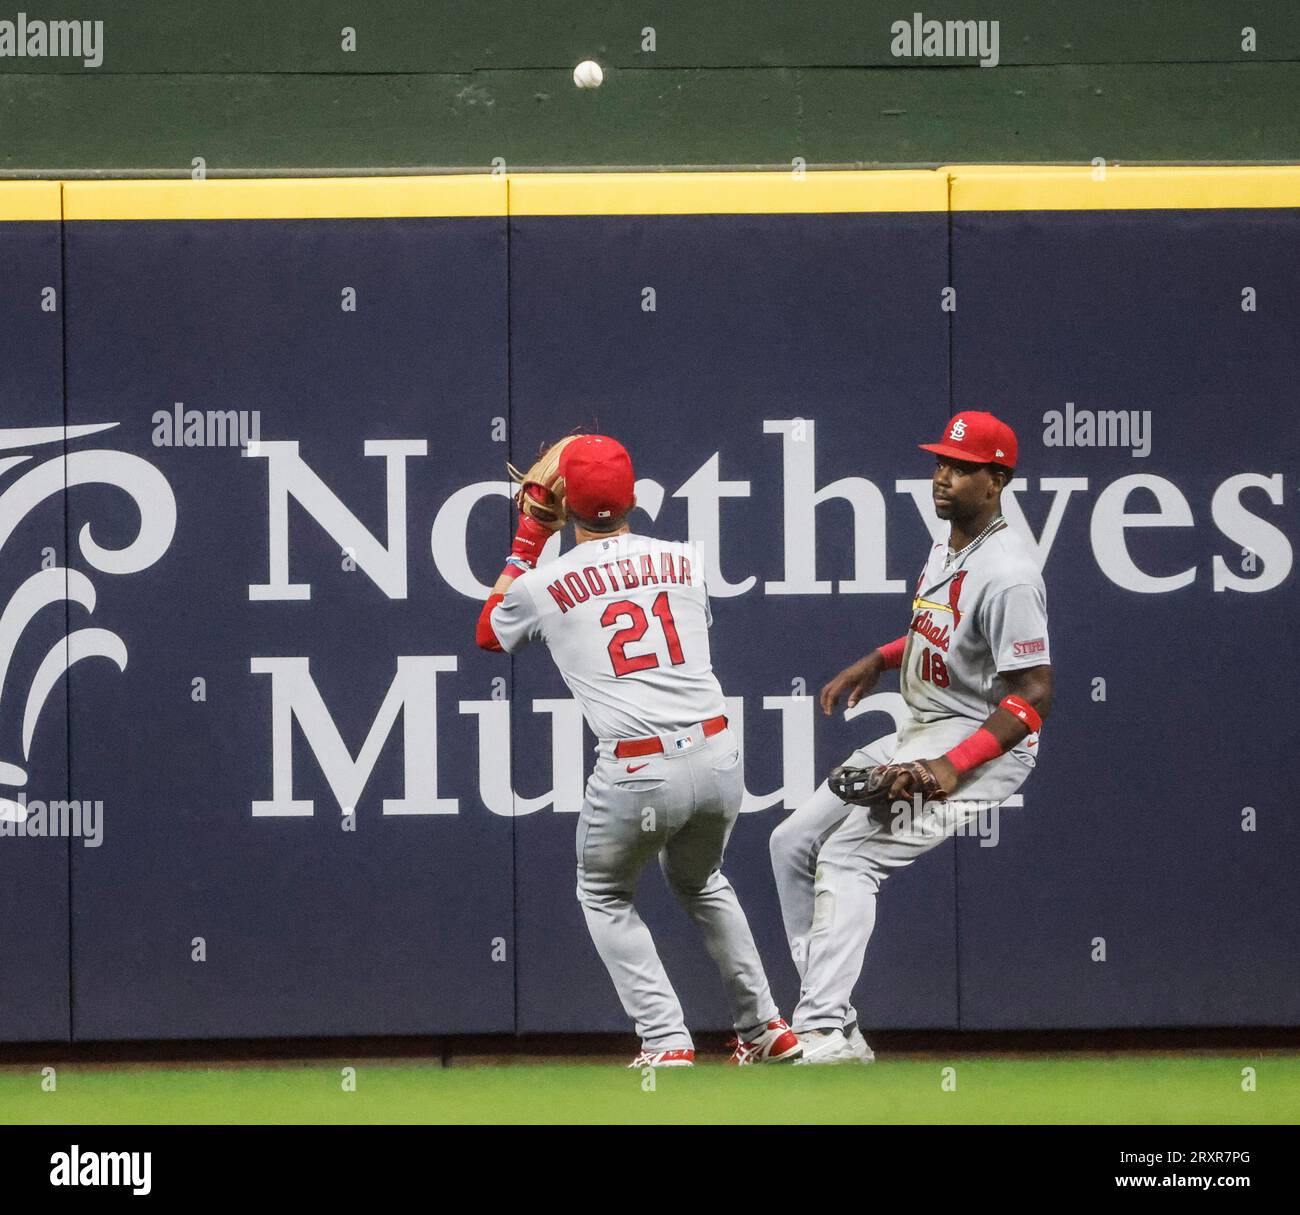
(541, 488)
(871, 786)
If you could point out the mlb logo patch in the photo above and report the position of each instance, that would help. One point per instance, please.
(683, 743)
(1024, 648)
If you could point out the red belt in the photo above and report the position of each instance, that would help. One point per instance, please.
(629, 748)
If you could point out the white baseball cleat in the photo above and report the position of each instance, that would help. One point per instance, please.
(663, 1058)
(775, 1044)
(858, 1044)
(825, 1046)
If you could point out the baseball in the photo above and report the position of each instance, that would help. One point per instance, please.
(588, 74)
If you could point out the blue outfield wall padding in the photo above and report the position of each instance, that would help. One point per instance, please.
(232, 895)
(33, 780)
(784, 352)
(264, 638)
(1129, 891)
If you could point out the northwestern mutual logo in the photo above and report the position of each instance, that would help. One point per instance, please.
(37, 464)
(1238, 515)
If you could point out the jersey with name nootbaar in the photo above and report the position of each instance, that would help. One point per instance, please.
(626, 619)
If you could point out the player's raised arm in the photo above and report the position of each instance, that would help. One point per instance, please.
(530, 539)
(541, 512)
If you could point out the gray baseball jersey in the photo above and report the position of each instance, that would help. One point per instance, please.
(627, 621)
(973, 615)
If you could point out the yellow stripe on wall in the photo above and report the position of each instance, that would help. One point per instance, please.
(29, 200)
(727, 193)
(288, 198)
(1003, 188)
(970, 188)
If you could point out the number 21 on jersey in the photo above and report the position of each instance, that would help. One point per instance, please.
(638, 624)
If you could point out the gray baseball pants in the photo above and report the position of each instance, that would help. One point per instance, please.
(830, 858)
(680, 806)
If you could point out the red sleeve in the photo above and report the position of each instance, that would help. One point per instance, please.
(893, 653)
(483, 633)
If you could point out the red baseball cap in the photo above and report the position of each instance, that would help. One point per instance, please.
(977, 438)
(598, 479)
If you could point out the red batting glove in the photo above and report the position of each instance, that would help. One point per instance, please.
(530, 539)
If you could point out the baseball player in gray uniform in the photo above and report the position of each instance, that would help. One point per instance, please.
(626, 619)
(976, 680)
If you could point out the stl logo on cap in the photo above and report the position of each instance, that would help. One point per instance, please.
(977, 437)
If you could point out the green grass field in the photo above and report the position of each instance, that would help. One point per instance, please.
(1112, 1089)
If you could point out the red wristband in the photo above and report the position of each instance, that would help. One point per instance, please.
(893, 653)
(1023, 710)
(530, 539)
(978, 749)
